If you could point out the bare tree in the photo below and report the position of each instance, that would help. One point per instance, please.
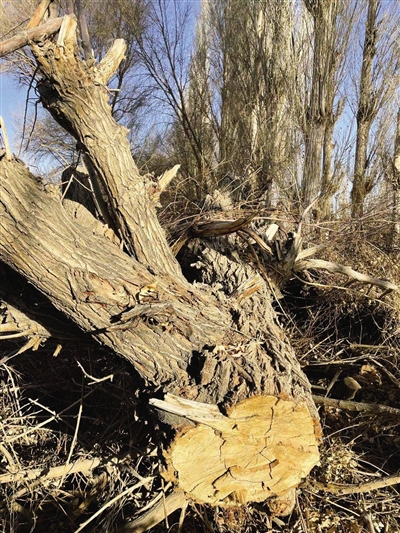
(252, 76)
(332, 170)
(165, 53)
(379, 76)
(199, 109)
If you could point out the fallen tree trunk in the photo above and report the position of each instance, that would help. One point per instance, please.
(175, 336)
(244, 409)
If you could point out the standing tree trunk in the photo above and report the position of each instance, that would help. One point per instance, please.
(395, 179)
(320, 110)
(366, 112)
(221, 350)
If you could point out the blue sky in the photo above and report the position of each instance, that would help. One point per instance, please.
(12, 101)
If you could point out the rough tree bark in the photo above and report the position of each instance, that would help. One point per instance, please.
(243, 397)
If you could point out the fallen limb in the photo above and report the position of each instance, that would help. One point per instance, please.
(349, 405)
(320, 264)
(156, 514)
(216, 227)
(358, 488)
(83, 466)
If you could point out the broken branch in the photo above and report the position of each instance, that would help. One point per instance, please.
(33, 34)
(38, 14)
(346, 270)
(110, 62)
(83, 466)
(358, 488)
(216, 227)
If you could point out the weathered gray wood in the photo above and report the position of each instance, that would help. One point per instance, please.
(92, 281)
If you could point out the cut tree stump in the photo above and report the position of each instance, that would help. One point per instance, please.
(263, 447)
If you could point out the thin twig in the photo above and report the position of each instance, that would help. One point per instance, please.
(368, 520)
(18, 335)
(341, 288)
(182, 515)
(113, 500)
(75, 437)
(95, 380)
(46, 422)
(392, 377)
(378, 347)
(26, 113)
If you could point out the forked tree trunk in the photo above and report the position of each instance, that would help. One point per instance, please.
(217, 345)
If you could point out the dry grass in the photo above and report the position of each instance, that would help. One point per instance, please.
(56, 414)
(351, 333)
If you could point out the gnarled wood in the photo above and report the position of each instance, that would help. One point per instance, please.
(164, 328)
(92, 281)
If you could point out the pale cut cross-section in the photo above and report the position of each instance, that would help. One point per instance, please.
(264, 448)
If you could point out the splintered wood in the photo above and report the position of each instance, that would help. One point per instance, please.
(263, 448)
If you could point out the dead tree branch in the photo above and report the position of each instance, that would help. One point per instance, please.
(335, 488)
(348, 405)
(35, 34)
